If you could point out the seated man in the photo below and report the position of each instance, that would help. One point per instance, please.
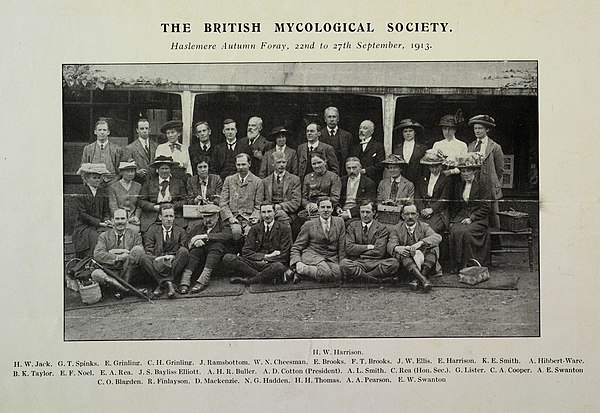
(320, 246)
(266, 251)
(283, 190)
(241, 197)
(356, 188)
(120, 250)
(318, 184)
(366, 242)
(163, 188)
(206, 246)
(166, 253)
(415, 245)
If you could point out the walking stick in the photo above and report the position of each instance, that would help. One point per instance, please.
(122, 281)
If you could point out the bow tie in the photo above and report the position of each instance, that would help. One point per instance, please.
(174, 145)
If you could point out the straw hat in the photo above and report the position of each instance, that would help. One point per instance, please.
(92, 168)
(482, 120)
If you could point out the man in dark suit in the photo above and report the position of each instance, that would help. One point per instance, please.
(202, 146)
(366, 243)
(339, 139)
(356, 188)
(142, 151)
(266, 251)
(280, 136)
(103, 151)
(283, 190)
(259, 145)
(410, 150)
(370, 152)
(166, 254)
(313, 133)
(223, 157)
(206, 246)
(162, 189)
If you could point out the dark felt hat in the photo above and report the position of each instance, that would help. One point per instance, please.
(172, 124)
(449, 121)
(162, 159)
(408, 123)
(483, 120)
(278, 130)
(393, 159)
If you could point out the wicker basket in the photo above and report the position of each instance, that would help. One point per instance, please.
(387, 214)
(514, 221)
(90, 294)
(473, 275)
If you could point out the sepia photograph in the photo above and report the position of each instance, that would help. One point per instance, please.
(301, 200)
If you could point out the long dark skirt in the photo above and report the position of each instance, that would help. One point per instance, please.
(469, 241)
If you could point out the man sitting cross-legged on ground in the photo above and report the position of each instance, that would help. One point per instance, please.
(320, 246)
(206, 245)
(266, 251)
(366, 242)
(165, 251)
(414, 244)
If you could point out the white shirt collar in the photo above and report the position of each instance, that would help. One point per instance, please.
(166, 230)
(144, 142)
(332, 131)
(323, 222)
(94, 190)
(367, 140)
(160, 180)
(411, 228)
(280, 175)
(368, 225)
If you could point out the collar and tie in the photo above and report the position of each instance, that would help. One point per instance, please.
(174, 146)
(231, 145)
(478, 145)
(102, 146)
(168, 234)
(394, 191)
(163, 187)
(119, 240)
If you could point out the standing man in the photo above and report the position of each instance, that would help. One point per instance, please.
(410, 150)
(370, 152)
(241, 198)
(356, 188)
(283, 190)
(258, 144)
(266, 251)
(164, 243)
(492, 166)
(313, 133)
(162, 189)
(279, 135)
(366, 243)
(103, 151)
(415, 245)
(142, 151)
(173, 148)
(202, 146)
(224, 154)
(320, 246)
(339, 139)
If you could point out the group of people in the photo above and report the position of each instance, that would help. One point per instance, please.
(271, 213)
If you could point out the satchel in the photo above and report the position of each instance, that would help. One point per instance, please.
(473, 275)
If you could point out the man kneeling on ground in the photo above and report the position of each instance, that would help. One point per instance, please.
(266, 251)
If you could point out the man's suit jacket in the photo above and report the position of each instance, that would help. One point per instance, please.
(414, 170)
(154, 242)
(244, 200)
(221, 233)
(478, 206)
(90, 210)
(218, 157)
(196, 152)
(292, 192)
(492, 167)
(267, 166)
(341, 143)
(332, 160)
(149, 198)
(114, 151)
(440, 200)
(367, 189)
(257, 244)
(356, 243)
(371, 158)
(312, 245)
(406, 191)
(261, 144)
(108, 241)
(136, 152)
(213, 188)
(399, 236)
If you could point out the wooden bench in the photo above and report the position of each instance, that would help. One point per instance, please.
(509, 249)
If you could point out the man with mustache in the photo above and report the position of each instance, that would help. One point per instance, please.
(370, 152)
(257, 143)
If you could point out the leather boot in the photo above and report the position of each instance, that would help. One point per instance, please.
(170, 289)
(423, 280)
(184, 285)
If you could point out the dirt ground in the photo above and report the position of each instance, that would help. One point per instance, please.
(320, 313)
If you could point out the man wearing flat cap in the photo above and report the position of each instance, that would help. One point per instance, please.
(492, 166)
(182, 169)
(163, 188)
(410, 150)
(206, 245)
(142, 151)
(103, 151)
(279, 135)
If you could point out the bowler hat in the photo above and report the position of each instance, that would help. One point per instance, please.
(393, 159)
(408, 123)
(433, 157)
(278, 130)
(172, 124)
(93, 168)
(482, 120)
(162, 159)
(449, 121)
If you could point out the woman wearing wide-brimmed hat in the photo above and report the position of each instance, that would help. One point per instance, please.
(91, 209)
(410, 150)
(280, 135)
(433, 193)
(469, 222)
(395, 190)
(125, 193)
(173, 148)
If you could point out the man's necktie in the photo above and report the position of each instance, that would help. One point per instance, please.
(119, 240)
(365, 232)
(168, 236)
(203, 148)
(278, 179)
(394, 191)
(478, 146)
(163, 187)
(101, 147)
(145, 146)
(327, 229)
(230, 146)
